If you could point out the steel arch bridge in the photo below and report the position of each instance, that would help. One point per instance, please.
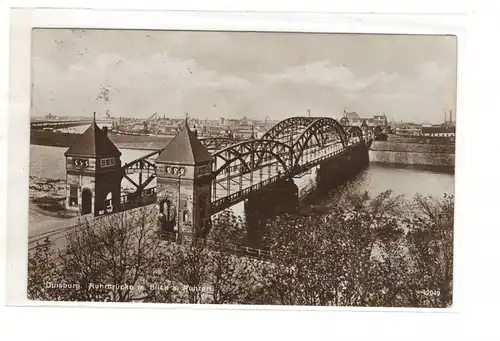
(291, 147)
(243, 168)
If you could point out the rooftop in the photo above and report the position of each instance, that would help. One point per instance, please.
(94, 142)
(185, 148)
(351, 115)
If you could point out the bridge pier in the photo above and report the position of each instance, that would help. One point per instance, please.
(336, 171)
(259, 209)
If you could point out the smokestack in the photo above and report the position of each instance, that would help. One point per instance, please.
(451, 117)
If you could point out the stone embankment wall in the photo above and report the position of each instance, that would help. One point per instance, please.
(421, 139)
(413, 153)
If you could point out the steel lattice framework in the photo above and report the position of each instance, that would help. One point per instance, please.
(145, 165)
(355, 134)
(318, 134)
(285, 130)
(217, 142)
(247, 156)
(291, 147)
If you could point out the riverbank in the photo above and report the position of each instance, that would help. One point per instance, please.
(47, 196)
(425, 154)
(46, 188)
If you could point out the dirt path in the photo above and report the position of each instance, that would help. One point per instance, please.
(40, 223)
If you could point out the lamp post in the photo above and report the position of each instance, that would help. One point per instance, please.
(177, 235)
(79, 198)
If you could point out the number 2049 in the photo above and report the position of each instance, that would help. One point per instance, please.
(429, 292)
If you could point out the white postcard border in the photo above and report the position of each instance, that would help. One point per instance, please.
(22, 22)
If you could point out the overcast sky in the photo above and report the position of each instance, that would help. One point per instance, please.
(228, 74)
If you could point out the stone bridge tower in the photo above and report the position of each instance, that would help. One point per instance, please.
(184, 179)
(93, 173)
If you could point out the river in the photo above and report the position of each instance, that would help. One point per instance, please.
(49, 162)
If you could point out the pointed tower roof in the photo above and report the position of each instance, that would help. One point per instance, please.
(94, 142)
(185, 148)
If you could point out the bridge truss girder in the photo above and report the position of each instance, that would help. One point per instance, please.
(249, 155)
(287, 128)
(355, 134)
(141, 166)
(246, 163)
(217, 142)
(319, 133)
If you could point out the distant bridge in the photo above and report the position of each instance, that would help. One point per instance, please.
(59, 124)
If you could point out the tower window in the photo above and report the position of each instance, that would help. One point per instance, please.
(108, 162)
(81, 163)
(168, 209)
(203, 170)
(73, 196)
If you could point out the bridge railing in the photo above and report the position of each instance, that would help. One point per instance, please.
(237, 250)
(228, 201)
(132, 200)
(129, 201)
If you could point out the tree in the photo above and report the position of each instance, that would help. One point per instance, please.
(42, 272)
(430, 244)
(361, 251)
(232, 276)
(209, 271)
(111, 258)
(334, 259)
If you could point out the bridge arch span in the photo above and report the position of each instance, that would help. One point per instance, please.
(283, 129)
(216, 142)
(355, 134)
(248, 156)
(321, 131)
(354, 131)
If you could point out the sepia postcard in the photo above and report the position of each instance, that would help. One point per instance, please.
(241, 167)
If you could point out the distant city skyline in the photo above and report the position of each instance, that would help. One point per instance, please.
(236, 74)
